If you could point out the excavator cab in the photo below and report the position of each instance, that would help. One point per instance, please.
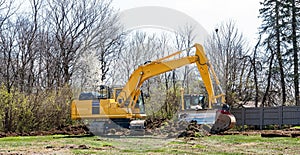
(194, 108)
(104, 91)
(140, 104)
(194, 101)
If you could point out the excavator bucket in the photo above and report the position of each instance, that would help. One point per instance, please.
(224, 121)
(213, 120)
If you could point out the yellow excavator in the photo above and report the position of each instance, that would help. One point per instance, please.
(125, 106)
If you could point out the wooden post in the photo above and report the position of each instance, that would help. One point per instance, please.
(261, 118)
(243, 118)
(280, 116)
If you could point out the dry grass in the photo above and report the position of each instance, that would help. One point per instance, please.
(216, 144)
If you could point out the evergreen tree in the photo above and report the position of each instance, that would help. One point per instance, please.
(273, 26)
(295, 13)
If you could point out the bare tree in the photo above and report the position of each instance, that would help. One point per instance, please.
(7, 35)
(254, 64)
(39, 49)
(184, 39)
(71, 22)
(104, 38)
(27, 27)
(226, 50)
(273, 14)
(132, 55)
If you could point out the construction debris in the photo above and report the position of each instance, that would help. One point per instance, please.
(267, 133)
(63, 130)
(158, 127)
(173, 129)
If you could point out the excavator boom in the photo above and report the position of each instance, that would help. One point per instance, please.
(157, 67)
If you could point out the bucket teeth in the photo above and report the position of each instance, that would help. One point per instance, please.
(206, 127)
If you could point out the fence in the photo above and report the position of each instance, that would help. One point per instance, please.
(283, 115)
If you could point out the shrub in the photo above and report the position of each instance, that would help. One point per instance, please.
(39, 111)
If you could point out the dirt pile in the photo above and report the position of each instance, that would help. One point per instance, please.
(195, 130)
(153, 123)
(71, 130)
(174, 129)
(66, 130)
(294, 133)
(164, 128)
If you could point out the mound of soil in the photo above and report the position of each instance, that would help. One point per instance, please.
(267, 133)
(159, 127)
(66, 130)
(165, 128)
(153, 123)
(172, 129)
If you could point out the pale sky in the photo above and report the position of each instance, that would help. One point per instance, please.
(209, 13)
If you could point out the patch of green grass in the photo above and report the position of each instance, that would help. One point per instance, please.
(177, 142)
(138, 150)
(224, 153)
(296, 127)
(128, 151)
(258, 138)
(22, 141)
(236, 139)
(254, 144)
(215, 144)
(26, 144)
(27, 138)
(85, 152)
(199, 146)
(156, 150)
(107, 144)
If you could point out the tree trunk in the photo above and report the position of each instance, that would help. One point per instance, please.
(269, 76)
(295, 48)
(255, 73)
(279, 56)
